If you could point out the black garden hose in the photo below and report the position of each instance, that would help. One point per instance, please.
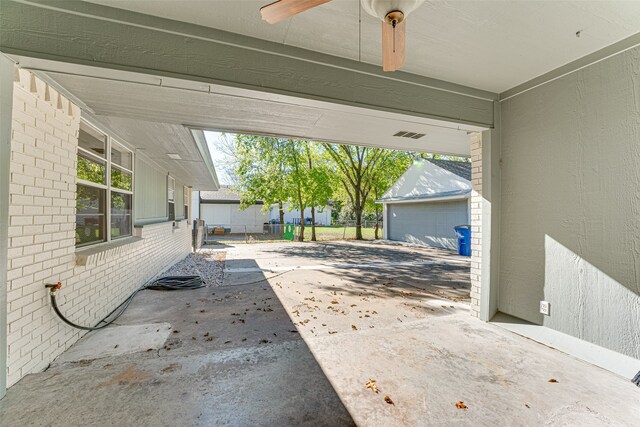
(168, 283)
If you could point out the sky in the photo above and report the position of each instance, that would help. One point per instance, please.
(218, 157)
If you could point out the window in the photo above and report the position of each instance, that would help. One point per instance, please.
(171, 194)
(186, 195)
(104, 188)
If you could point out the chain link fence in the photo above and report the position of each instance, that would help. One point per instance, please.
(341, 230)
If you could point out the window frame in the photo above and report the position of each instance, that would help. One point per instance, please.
(186, 200)
(171, 197)
(109, 189)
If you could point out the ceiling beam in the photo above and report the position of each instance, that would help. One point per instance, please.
(89, 34)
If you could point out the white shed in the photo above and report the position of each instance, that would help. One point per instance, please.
(425, 204)
(292, 216)
(222, 209)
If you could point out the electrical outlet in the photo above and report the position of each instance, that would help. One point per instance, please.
(545, 307)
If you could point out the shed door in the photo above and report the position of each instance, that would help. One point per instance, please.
(429, 224)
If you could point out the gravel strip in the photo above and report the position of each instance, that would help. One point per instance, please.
(206, 263)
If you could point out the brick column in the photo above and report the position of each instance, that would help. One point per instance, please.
(41, 230)
(485, 223)
(6, 103)
(476, 221)
(41, 235)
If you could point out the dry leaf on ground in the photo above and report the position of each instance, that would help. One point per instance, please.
(552, 380)
(461, 405)
(388, 400)
(371, 385)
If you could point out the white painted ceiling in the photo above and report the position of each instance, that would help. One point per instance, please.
(155, 140)
(134, 102)
(490, 45)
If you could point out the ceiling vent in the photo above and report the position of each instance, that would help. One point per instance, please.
(412, 135)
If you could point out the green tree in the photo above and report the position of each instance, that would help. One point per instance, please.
(294, 155)
(362, 170)
(391, 167)
(260, 170)
(278, 170)
(318, 185)
(444, 157)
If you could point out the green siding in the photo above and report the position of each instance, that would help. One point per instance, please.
(179, 199)
(150, 193)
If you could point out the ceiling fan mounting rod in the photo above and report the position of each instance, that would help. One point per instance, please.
(394, 18)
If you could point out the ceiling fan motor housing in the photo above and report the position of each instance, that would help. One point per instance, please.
(381, 8)
(394, 18)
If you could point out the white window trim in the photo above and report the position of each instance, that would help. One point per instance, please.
(171, 189)
(110, 141)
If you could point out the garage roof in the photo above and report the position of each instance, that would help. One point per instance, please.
(225, 195)
(462, 169)
(431, 180)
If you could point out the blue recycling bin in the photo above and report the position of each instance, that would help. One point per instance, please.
(464, 239)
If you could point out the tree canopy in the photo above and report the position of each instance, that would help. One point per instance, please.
(307, 174)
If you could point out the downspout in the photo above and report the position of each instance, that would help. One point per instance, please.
(385, 221)
(6, 108)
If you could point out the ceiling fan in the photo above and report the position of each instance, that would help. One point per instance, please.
(392, 13)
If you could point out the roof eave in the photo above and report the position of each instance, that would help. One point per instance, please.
(435, 198)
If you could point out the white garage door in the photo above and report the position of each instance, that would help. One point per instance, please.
(429, 224)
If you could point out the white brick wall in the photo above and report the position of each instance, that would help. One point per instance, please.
(42, 237)
(476, 218)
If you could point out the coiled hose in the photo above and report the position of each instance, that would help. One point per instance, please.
(168, 283)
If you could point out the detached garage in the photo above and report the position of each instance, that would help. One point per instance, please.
(222, 209)
(427, 202)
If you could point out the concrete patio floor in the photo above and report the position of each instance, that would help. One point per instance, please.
(299, 348)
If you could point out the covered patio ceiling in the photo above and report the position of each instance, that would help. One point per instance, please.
(158, 109)
(492, 45)
(215, 65)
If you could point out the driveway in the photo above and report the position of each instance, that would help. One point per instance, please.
(400, 316)
(301, 347)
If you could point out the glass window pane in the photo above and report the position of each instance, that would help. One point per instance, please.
(121, 156)
(120, 179)
(92, 140)
(90, 215)
(171, 188)
(90, 170)
(120, 215)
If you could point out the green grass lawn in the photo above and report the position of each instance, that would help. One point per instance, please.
(338, 233)
(322, 233)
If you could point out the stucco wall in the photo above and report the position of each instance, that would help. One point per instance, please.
(570, 215)
(150, 197)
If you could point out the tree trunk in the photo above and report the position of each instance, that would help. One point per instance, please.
(358, 212)
(313, 224)
(301, 214)
(281, 212)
